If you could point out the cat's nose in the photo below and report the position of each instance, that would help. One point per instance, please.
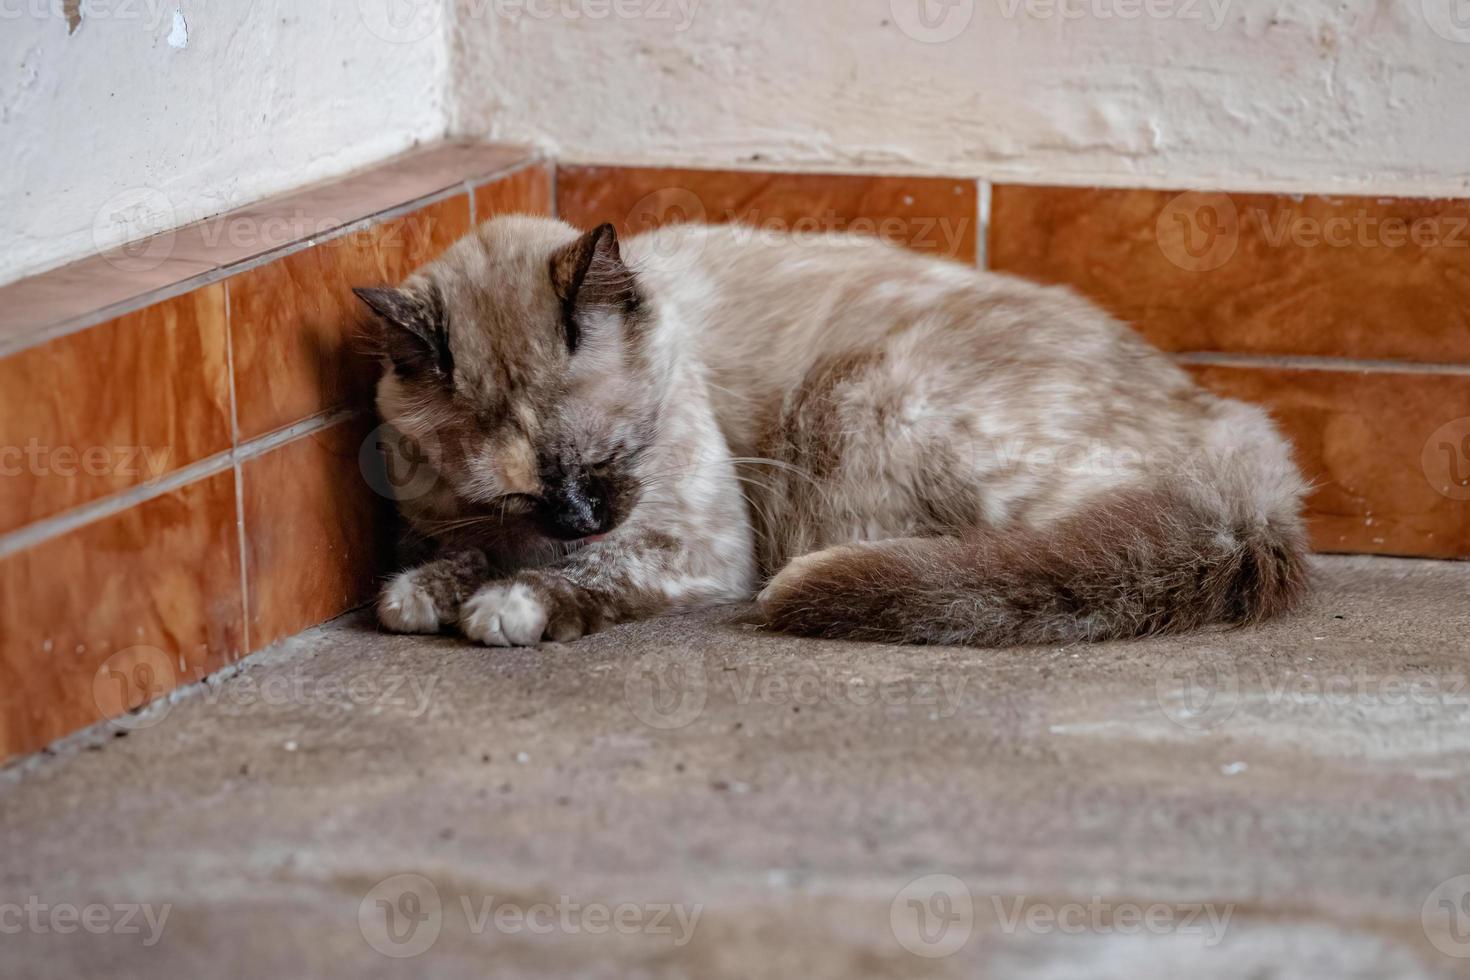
(576, 510)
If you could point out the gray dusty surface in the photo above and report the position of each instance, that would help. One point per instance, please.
(695, 797)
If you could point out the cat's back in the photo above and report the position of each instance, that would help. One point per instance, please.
(772, 304)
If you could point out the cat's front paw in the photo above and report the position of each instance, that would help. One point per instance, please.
(405, 606)
(509, 614)
(532, 607)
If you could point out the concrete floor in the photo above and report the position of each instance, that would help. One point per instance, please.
(694, 797)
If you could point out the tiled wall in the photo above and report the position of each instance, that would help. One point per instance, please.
(931, 214)
(1348, 318)
(184, 422)
(183, 425)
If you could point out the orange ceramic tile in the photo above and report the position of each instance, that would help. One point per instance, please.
(296, 327)
(527, 191)
(317, 534)
(931, 214)
(1389, 453)
(1253, 273)
(117, 612)
(85, 288)
(130, 273)
(112, 407)
(320, 210)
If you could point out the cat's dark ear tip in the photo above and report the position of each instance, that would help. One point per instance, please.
(605, 235)
(380, 299)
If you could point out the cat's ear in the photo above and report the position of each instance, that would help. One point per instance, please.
(590, 278)
(415, 335)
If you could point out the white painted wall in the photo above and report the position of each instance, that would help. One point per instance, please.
(121, 127)
(266, 95)
(1309, 95)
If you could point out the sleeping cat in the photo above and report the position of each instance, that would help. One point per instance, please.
(884, 446)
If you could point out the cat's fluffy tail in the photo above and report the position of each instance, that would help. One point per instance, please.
(1220, 547)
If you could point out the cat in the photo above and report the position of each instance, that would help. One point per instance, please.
(877, 444)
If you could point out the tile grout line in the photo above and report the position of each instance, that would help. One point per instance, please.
(982, 218)
(475, 183)
(1311, 362)
(65, 328)
(53, 527)
(218, 274)
(260, 445)
(239, 476)
(1099, 182)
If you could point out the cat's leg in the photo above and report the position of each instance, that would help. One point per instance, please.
(427, 598)
(630, 576)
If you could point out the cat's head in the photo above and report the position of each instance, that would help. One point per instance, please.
(516, 365)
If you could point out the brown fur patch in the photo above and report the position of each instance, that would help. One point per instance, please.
(1137, 564)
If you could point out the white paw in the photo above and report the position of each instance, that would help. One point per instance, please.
(405, 608)
(504, 616)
